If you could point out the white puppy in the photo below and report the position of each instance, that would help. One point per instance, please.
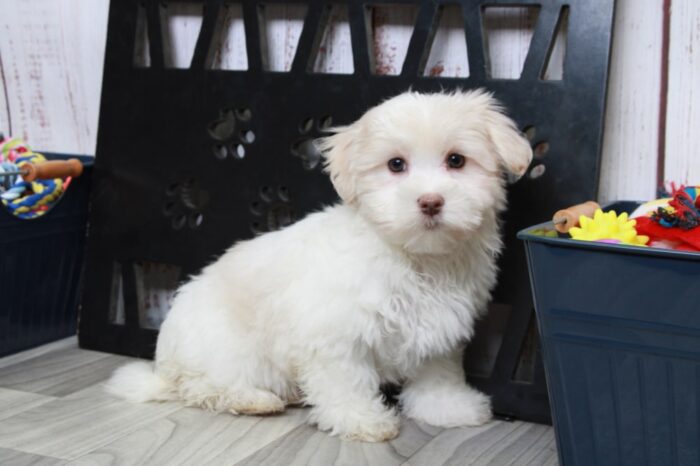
(383, 287)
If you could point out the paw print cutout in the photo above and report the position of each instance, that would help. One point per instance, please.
(540, 149)
(231, 133)
(305, 147)
(271, 209)
(184, 202)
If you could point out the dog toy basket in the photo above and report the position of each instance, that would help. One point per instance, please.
(620, 330)
(40, 268)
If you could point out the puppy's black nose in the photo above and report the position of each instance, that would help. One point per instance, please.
(431, 204)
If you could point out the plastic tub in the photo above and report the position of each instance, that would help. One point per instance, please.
(40, 268)
(620, 329)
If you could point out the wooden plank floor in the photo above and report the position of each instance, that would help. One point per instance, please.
(53, 410)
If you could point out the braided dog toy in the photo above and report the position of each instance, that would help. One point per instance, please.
(22, 198)
(683, 210)
(674, 221)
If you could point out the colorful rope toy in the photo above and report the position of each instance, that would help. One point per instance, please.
(25, 199)
(683, 210)
(672, 222)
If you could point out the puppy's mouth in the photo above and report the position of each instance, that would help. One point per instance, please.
(431, 223)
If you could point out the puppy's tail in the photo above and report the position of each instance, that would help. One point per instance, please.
(137, 382)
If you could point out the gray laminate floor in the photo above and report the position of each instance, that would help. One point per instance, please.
(53, 411)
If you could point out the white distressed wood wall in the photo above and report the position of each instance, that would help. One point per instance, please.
(51, 54)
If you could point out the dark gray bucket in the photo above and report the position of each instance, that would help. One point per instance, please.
(620, 329)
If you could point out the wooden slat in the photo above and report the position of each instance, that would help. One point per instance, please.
(334, 54)
(77, 424)
(181, 24)
(448, 52)
(535, 60)
(206, 34)
(13, 402)
(423, 33)
(5, 123)
(683, 114)
(229, 47)
(253, 38)
(60, 345)
(508, 32)
(628, 166)
(91, 427)
(495, 443)
(393, 27)
(18, 458)
(283, 26)
(60, 372)
(193, 436)
(52, 54)
(309, 30)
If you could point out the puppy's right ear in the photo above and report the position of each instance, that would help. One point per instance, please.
(337, 150)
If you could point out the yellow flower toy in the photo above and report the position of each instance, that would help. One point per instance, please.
(608, 227)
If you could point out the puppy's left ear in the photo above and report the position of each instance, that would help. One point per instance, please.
(337, 150)
(510, 144)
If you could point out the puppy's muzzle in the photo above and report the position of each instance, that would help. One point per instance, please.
(431, 204)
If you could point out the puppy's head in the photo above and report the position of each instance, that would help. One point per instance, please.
(427, 169)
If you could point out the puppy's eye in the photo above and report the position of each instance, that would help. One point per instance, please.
(397, 165)
(456, 160)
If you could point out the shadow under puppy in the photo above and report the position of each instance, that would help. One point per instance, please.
(383, 287)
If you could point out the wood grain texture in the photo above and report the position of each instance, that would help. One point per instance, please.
(52, 54)
(508, 32)
(628, 165)
(334, 54)
(682, 135)
(498, 442)
(18, 458)
(306, 445)
(59, 345)
(281, 31)
(89, 427)
(60, 372)
(392, 27)
(448, 52)
(78, 423)
(181, 23)
(192, 436)
(14, 402)
(554, 68)
(229, 47)
(5, 124)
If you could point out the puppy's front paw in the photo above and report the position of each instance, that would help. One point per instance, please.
(362, 423)
(448, 407)
(374, 430)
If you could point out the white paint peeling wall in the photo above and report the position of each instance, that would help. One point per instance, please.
(630, 138)
(683, 114)
(52, 55)
(52, 51)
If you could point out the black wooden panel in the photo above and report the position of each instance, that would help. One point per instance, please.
(160, 128)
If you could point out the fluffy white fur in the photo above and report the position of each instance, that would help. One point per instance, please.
(365, 292)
